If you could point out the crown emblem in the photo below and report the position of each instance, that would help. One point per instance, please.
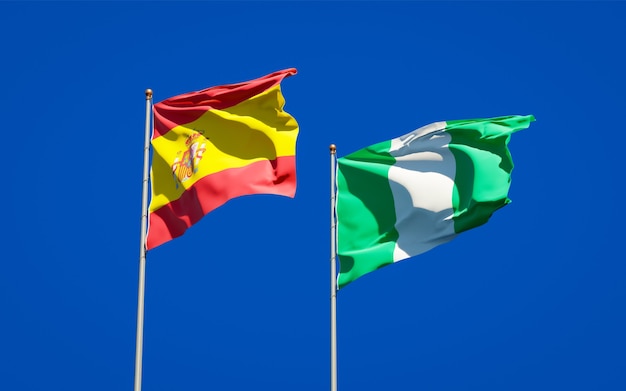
(187, 162)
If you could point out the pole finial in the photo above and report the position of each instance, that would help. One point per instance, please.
(148, 94)
(333, 148)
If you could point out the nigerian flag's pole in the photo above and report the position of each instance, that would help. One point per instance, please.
(142, 245)
(333, 272)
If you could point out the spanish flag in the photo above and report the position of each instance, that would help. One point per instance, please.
(216, 144)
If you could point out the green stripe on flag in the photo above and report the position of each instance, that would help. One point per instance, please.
(484, 166)
(367, 211)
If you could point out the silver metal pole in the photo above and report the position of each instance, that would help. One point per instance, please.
(333, 274)
(142, 246)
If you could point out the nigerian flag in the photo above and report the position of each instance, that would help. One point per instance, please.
(402, 197)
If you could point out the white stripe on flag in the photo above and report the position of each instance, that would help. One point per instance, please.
(423, 215)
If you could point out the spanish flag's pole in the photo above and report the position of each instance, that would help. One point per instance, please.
(142, 245)
(333, 272)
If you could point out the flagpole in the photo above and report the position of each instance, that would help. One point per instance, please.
(333, 273)
(142, 246)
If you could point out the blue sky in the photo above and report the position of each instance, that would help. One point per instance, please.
(533, 300)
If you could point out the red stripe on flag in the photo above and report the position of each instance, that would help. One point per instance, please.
(186, 108)
(262, 177)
